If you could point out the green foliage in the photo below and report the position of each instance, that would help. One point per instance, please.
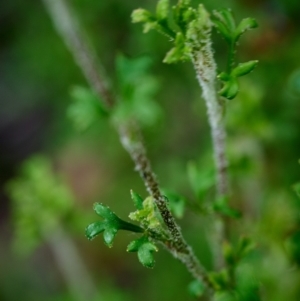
(110, 225)
(176, 203)
(144, 249)
(86, 108)
(221, 206)
(189, 28)
(136, 90)
(196, 288)
(41, 201)
(201, 180)
(226, 26)
(148, 216)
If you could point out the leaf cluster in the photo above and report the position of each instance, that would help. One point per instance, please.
(226, 26)
(150, 226)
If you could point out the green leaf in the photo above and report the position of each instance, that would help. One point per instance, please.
(110, 225)
(141, 15)
(145, 250)
(175, 202)
(94, 229)
(196, 288)
(229, 253)
(245, 24)
(245, 245)
(137, 200)
(224, 76)
(40, 201)
(136, 92)
(201, 180)
(180, 52)
(221, 206)
(296, 188)
(223, 30)
(148, 215)
(225, 24)
(220, 280)
(230, 88)
(244, 68)
(162, 9)
(86, 108)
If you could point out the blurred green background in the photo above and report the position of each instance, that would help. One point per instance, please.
(37, 73)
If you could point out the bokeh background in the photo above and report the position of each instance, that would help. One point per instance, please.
(37, 73)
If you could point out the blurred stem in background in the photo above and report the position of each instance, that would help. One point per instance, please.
(42, 202)
(67, 25)
(69, 261)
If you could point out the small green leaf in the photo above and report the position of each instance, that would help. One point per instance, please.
(223, 30)
(94, 229)
(245, 245)
(200, 180)
(162, 9)
(110, 225)
(246, 24)
(137, 200)
(179, 53)
(145, 250)
(225, 24)
(230, 88)
(145, 254)
(296, 188)
(134, 246)
(220, 280)
(109, 235)
(103, 211)
(141, 15)
(148, 216)
(224, 76)
(244, 68)
(85, 109)
(196, 288)
(227, 18)
(221, 206)
(229, 253)
(175, 202)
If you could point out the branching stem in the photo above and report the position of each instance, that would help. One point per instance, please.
(129, 132)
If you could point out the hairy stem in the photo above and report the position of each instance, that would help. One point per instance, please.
(129, 132)
(205, 68)
(68, 27)
(132, 141)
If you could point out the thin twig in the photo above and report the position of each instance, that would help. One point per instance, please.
(68, 27)
(129, 132)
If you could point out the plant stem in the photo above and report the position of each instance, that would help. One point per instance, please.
(205, 68)
(132, 141)
(215, 118)
(73, 269)
(129, 132)
(68, 27)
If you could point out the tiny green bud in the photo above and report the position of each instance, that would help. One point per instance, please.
(244, 68)
(224, 76)
(230, 89)
(137, 200)
(141, 15)
(162, 9)
(196, 288)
